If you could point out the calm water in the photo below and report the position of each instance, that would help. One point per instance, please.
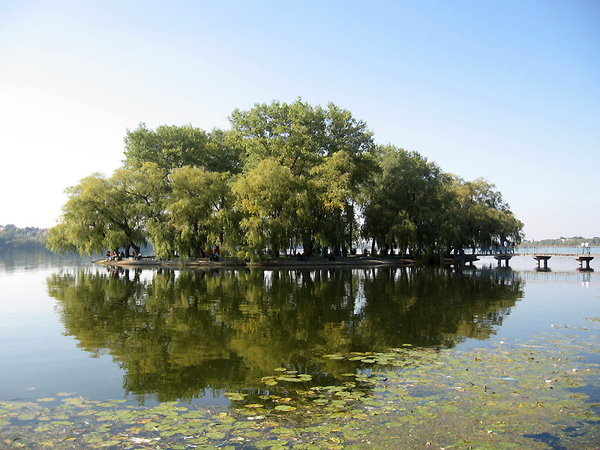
(67, 325)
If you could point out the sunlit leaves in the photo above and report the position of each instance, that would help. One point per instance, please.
(110, 213)
(413, 204)
(480, 216)
(325, 152)
(84, 219)
(171, 146)
(266, 194)
(303, 175)
(193, 213)
(405, 208)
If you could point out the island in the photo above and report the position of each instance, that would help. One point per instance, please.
(285, 177)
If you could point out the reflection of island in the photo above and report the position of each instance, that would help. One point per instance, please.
(177, 334)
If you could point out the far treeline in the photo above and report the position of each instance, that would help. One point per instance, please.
(13, 237)
(574, 241)
(284, 177)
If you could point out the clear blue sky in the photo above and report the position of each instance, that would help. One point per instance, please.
(504, 90)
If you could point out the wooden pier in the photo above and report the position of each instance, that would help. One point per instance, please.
(584, 261)
(542, 256)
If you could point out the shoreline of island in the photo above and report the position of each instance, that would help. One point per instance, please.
(271, 263)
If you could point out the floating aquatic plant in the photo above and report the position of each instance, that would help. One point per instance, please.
(517, 395)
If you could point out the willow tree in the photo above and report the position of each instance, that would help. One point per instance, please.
(331, 187)
(143, 189)
(193, 213)
(351, 163)
(266, 194)
(81, 227)
(481, 217)
(403, 208)
(96, 217)
(172, 146)
(314, 145)
(413, 205)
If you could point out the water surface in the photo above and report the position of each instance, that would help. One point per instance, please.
(476, 357)
(161, 335)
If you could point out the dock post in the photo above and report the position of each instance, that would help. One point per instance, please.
(540, 258)
(586, 260)
(502, 257)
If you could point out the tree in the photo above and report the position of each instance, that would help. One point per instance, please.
(143, 189)
(331, 184)
(103, 213)
(477, 216)
(491, 220)
(343, 133)
(167, 146)
(193, 212)
(223, 153)
(267, 196)
(327, 152)
(85, 217)
(403, 206)
(12, 236)
(171, 146)
(291, 134)
(284, 175)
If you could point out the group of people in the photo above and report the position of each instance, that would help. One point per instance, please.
(118, 256)
(214, 255)
(115, 256)
(301, 256)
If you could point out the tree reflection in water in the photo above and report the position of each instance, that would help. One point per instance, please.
(181, 334)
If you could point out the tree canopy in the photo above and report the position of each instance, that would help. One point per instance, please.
(285, 176)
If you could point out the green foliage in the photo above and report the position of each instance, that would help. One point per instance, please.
(413, 205)
(167, 146)
(193, 208)
(482, 216)
(100, 214)
(171, 147)
(328, 155)
(267, 194)
(405, 206)
(285, 175)
(290, 134)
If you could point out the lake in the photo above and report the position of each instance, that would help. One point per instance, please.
(501, 354)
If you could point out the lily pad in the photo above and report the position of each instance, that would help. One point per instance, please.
(284, 408)
(235, 396)
(215, 435)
